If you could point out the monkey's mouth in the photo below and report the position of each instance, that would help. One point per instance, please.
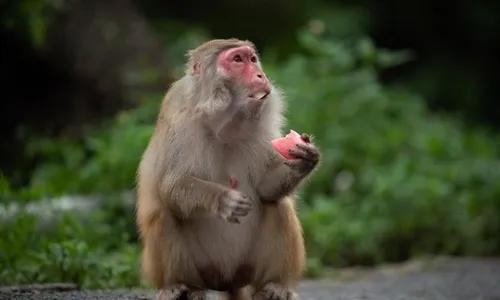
(259, 95)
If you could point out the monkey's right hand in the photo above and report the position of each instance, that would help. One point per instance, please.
(234, 205)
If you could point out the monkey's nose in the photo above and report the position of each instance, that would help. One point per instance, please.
(260, 78)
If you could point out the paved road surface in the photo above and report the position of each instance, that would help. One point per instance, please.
(455, 279)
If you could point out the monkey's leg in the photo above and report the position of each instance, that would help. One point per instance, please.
(165, 259)
(280, 253)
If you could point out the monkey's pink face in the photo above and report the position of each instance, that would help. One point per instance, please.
(243, 63)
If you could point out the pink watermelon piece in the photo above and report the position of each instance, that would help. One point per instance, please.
(287, 142)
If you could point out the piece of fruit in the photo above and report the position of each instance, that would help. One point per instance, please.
(289, 141)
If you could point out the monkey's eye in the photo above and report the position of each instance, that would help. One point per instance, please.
(237, 58)
(253, 59)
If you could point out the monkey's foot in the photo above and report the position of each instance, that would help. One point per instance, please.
(197, 295)
(174, 292)
(274, 291)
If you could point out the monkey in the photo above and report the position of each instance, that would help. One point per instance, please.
(215, 206)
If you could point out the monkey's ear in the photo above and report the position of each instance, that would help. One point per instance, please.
(193, 64)
(195, 68)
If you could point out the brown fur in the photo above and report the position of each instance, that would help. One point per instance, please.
(183, 184)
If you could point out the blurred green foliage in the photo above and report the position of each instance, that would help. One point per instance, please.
(92, 253)
(456, 42)
(30, 17)
(395, 182)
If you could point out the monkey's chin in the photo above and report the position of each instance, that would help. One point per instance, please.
(254, 104)
(258, 101)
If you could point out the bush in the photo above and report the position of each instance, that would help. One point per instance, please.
(395, 181)
(94, 253)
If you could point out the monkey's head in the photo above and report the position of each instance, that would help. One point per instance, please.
(232, 93)
(230, 70)
(241, 64)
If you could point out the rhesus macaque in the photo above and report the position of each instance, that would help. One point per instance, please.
(215, 201)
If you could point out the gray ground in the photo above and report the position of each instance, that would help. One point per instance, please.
(447, 279)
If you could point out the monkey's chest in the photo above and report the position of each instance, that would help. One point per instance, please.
(240, 169)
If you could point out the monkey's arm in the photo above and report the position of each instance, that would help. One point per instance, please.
(278, 182)
(283, 178)
(190, 194)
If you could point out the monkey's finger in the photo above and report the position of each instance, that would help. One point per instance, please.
(233, 219)
(298, 153)
(239, 213)
(225, 214)
(312, 153)
(307, 147)
(300, 165)
(173, 292)
(305, 137)
(241, 210)
(177, 290)
(275, 296)
(269, 294)
(244, 203)
(276, 292)
(196, 295)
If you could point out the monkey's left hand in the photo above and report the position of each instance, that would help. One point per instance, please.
(307, 157)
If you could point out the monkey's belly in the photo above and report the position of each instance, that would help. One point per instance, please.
(222, 252)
